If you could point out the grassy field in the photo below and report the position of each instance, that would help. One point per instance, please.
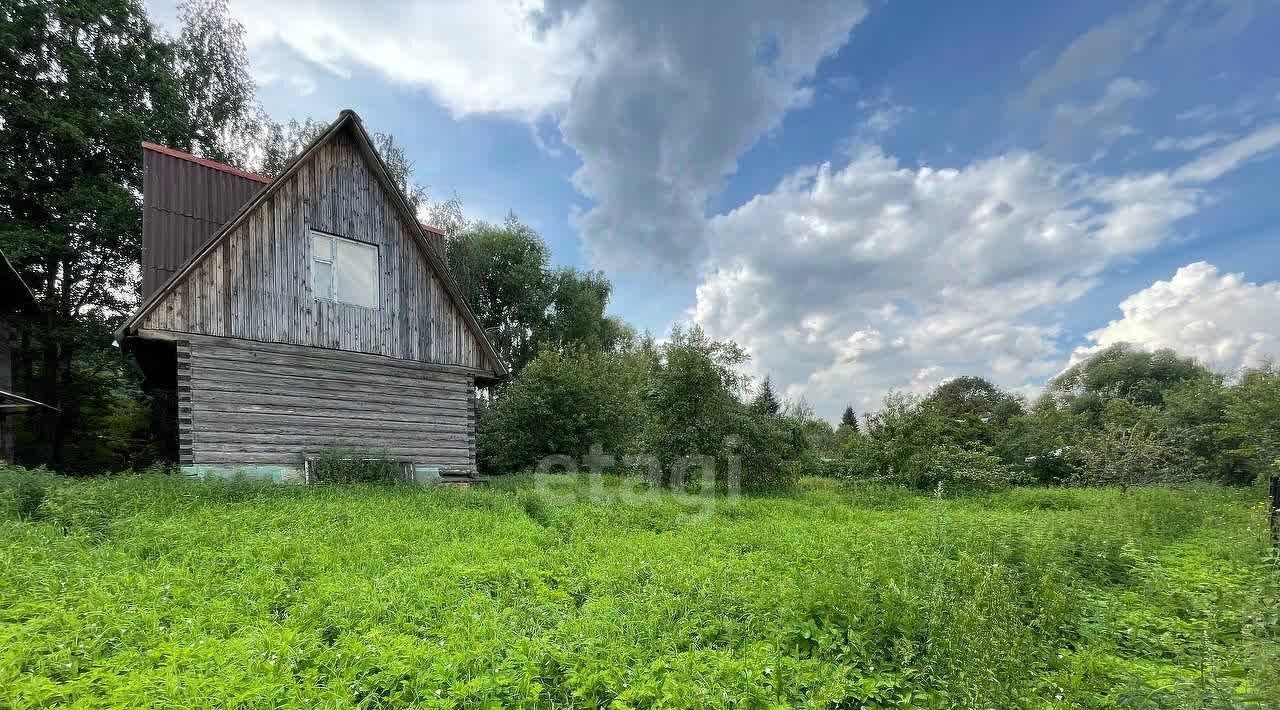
(147, 591)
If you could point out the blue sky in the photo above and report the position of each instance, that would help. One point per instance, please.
(867, 196)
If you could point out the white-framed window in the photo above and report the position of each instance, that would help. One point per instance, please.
(344, 270)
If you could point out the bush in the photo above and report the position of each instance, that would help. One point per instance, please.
(563, 403)
(906, 442)
(354, 467)
(761, 442)
(1133, 447)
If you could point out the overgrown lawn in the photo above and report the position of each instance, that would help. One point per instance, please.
(152, 591)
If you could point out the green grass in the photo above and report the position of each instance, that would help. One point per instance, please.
(147, 591)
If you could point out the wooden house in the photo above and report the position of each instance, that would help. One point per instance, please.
(14, 296)
(304, 314)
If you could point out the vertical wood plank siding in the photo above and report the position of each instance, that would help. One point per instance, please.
(253, 404)
(258, 287)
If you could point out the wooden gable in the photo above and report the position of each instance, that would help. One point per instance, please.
(253, 281)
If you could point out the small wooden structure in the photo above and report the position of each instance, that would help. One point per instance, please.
(317, 315)
(14, 295)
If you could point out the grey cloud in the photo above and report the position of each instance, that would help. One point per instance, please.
(672, 95)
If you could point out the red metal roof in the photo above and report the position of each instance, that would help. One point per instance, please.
(205, 162)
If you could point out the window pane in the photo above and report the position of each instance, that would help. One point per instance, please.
(322, 279)
(321, 247)
(356, 273)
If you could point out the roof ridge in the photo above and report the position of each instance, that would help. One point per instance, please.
(212, 164)
(369, 152)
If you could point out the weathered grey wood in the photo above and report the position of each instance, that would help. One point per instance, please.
(427, 394)
(232, 459)
(256, 284)
(262, 351)
(186, 420)
(277, 421)
(244, 407)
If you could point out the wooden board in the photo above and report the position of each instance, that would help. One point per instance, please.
(246, 403)
(257, 284)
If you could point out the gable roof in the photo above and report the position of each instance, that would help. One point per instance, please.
(346, 119)
(220, 167)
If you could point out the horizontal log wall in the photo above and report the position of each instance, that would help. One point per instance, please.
(243, 403)
(256, 284)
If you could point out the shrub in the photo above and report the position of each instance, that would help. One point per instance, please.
(907, 442)
(355, 467)
(949, 463)
(563, 403)
(761, 441)
(1133, 447)
(1252, 416)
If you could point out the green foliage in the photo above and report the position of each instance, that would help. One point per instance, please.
(346, 467)
(1123, 372)
(82, 83)
(909, 441)
(1194, 412)
(693, 396)
(972, 411)
(564, 403)
(233, 593)
(849, 420)
(765, 401)
(526, 306)
(1251, 426)
(212, 68)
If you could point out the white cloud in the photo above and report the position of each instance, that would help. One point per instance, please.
(1190, 144)
(1221, 319)
(482, 56)
(1218, 162)
(845, 282)
(658, 99)
(672, 96)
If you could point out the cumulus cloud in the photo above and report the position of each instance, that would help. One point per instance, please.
(658, 99)
(672, 96)
(483, 56)
(844, 282)
(1221, 319)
